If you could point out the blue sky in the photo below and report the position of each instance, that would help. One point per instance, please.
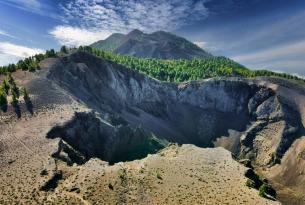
(257, 33)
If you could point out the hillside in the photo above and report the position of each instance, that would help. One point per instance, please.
(160, 44)
(96, 111)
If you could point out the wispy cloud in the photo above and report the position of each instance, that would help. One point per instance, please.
(272, 53)
(74, 36)
(261, 32)
(3, 33)
(31, 5)
(26, 3)
(10, 52)
(98, 17)
(122, 16)
(285, 58)
(292, 66)
(35, 6)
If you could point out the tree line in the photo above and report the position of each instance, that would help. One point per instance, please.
(28, 64)
(183, 70)
(9, 87)
(165, 70)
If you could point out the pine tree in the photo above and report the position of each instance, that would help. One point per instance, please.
(14, 98)
(25, 94)
(5, 86)
(64, 49)
(14, 88)
(3, 99)
(10, 78)
(50, 53)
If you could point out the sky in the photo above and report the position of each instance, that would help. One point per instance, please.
(260, 34)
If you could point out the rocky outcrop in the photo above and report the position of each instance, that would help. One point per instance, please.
(276, 125)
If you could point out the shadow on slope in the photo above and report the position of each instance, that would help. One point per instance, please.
(86, 136)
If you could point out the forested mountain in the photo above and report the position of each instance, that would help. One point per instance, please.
(180, 70)
(160, 44)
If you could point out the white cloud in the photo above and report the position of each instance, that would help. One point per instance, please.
(74, 36)
(206, 46)
(269, 54)
(123, 16)
(287, 58)
(10, 52)
(201, 44)
(6, 59)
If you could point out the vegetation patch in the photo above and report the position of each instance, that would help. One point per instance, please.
(266, 191)
(184, 70)
(250, 183)
(10, 89)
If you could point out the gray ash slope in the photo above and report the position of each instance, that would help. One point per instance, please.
(160, 44)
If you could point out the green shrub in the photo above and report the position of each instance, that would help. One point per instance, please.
(141, 170)
(250, 183)
(262, 190)
(267, 191)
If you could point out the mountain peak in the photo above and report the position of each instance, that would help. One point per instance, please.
(134, 34)
(135, 31)
(159, 44)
